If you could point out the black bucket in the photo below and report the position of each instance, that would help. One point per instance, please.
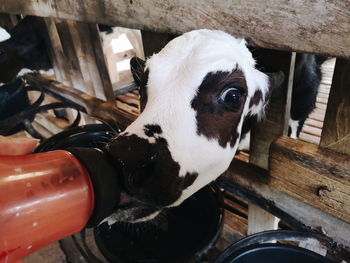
(253, 250)
(181, 234)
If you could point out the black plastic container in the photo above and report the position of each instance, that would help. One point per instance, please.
(13, 99)
(253, 249)
(90, 135)
(181, 234)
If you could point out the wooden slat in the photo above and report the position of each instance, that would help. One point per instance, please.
(314, 123)
(100, 62)
(56, 53)
(236, 223)
(61, 66)
(312, 130)
(322, 100)
(321, 106)
(318, 177)
(131, 100)
(308, 26)
(71, 59)
(324, 88)
(336, 129)
(81, 47)
(309, 138)
(316, 115)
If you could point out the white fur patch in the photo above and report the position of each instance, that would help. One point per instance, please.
(24, 71)
(48, 72)
(293, 124)
(4, 35)
(245, 143)
(175, 74)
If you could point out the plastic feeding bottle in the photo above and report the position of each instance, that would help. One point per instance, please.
(45, 197)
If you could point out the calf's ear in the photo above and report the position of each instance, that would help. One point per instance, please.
(137, 66)
(276, 80)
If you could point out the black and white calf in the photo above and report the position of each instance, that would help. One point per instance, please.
(196, 93)
(22, 50)
(306, 81)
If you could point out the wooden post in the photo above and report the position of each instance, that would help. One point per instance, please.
(81, 51)
(263, 134)
(100, 63)
(71, 58)
(260, 220)
(336, 128)
(56, 53)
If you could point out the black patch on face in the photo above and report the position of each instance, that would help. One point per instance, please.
(214, 120)
(150, 175)
(152, 129)
(255, 100)
(189, 179)
(140, 76)
(143, 90)
(248, 123)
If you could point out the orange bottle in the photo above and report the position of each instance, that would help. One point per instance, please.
(47, 196)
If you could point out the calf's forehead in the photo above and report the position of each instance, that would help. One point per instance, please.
(186, 60)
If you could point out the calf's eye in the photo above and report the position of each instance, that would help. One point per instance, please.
(232, 97)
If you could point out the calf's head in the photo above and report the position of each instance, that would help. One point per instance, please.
(195, 94)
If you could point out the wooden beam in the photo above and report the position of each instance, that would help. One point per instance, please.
(253, 184)
(305, 26)
(316, 176)
(336, 128)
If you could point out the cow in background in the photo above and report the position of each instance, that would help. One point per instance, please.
(23, 50)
